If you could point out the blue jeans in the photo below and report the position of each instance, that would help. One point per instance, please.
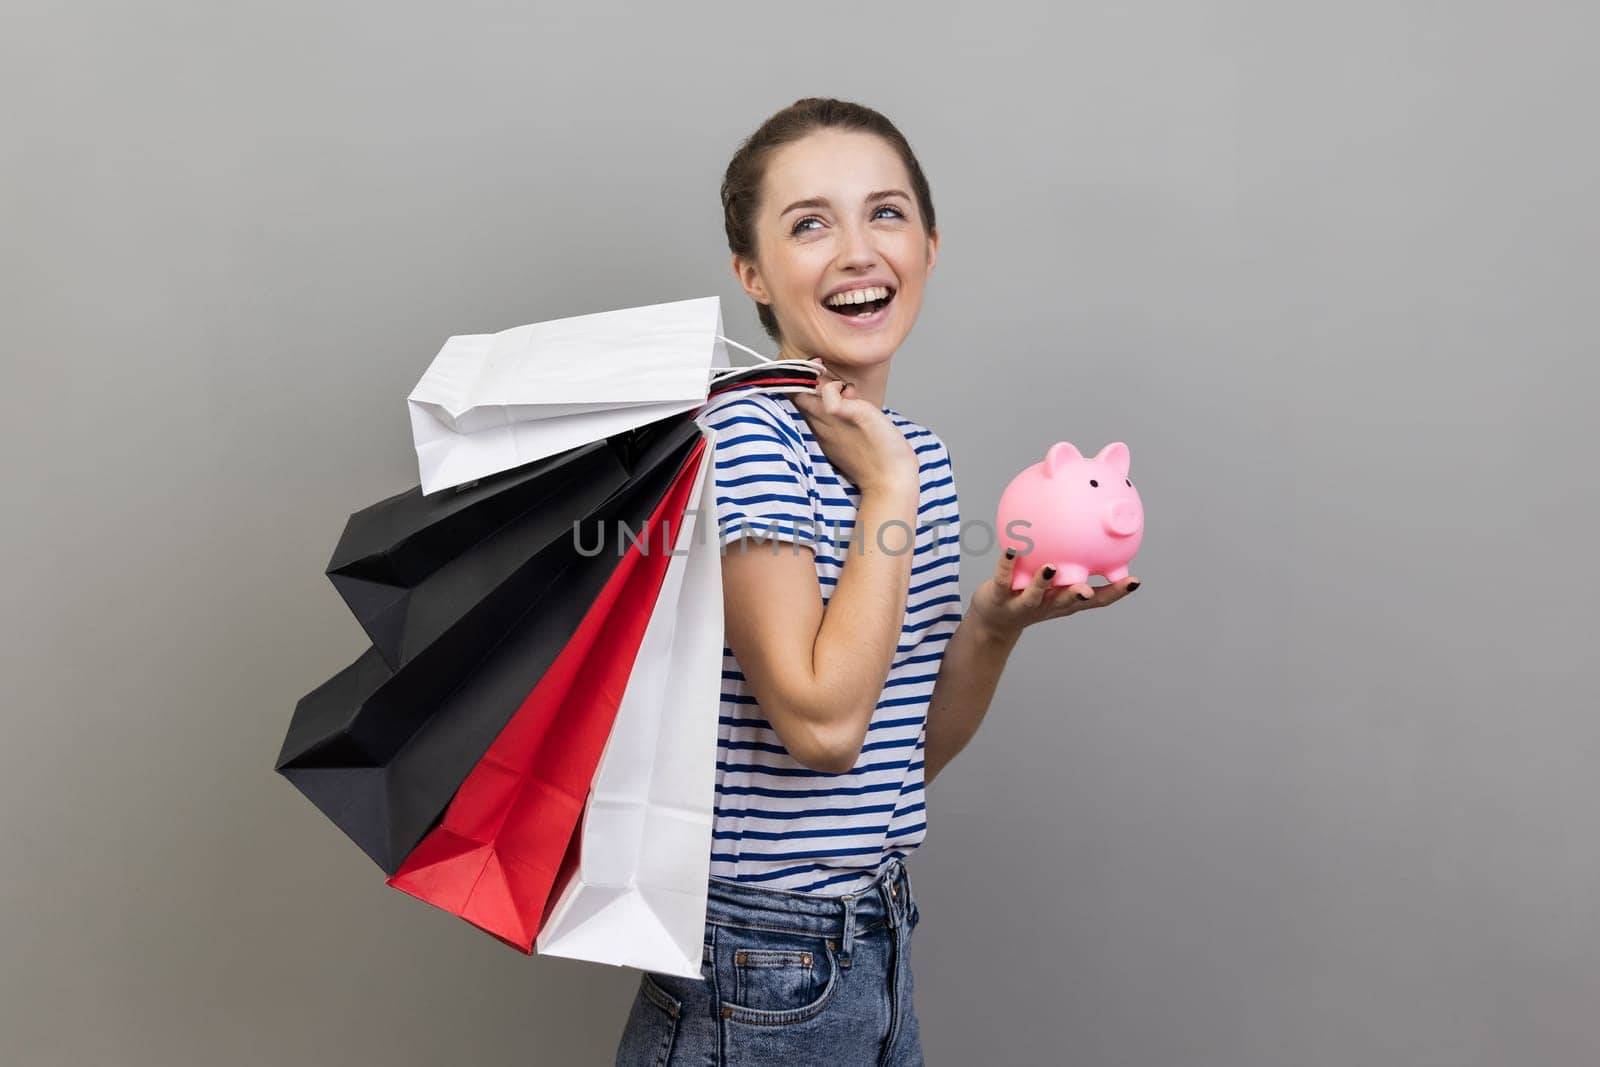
(788, 978)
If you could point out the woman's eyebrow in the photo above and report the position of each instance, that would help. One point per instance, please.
(822, 201)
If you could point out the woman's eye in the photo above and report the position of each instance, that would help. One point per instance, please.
(799, 224)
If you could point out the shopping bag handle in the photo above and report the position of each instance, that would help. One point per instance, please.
(743, 348)
(777, 366)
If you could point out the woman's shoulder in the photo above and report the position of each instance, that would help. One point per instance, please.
(924, 439)
(772, 414)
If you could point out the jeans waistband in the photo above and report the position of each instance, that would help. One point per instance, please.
(886, 901)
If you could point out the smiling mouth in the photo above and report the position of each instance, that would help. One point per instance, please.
(862, 311)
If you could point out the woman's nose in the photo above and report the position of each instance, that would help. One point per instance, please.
(857, 250)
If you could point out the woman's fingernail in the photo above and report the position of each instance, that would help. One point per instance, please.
(1048, 571)
(1132, 586)
(1011, 553)
(1085, 596)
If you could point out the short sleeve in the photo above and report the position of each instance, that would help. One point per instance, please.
(761, 484)
(947, 506)
(950, 536)
(941, 580)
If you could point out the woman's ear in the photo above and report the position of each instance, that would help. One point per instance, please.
(933, 248)
(750, 278)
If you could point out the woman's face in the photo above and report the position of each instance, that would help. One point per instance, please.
(837, 214)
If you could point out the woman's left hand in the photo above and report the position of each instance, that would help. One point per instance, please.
(1008, 612)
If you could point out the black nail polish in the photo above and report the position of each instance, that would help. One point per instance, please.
(1011, 553)
(1132, 586)
(1048, 572)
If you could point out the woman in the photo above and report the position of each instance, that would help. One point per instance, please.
(852, 674)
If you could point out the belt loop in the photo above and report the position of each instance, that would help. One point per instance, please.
(849, 924)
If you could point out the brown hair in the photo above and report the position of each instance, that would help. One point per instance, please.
(741, 184)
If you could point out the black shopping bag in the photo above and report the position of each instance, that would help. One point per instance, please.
(381, 750)
(412, 567)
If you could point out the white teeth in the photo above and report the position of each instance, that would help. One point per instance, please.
(858, 296)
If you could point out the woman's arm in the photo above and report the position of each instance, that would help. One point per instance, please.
(818, 672)
(978, 650)
(968, 675)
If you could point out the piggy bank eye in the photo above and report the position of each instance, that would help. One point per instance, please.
(1130, 484)
(1094, 483)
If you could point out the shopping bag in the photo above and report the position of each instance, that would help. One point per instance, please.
(494, 858)
(637, 895)
(381, 751)
(413, 568)
(491, 402)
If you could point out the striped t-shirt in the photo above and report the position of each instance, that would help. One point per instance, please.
(779, 824)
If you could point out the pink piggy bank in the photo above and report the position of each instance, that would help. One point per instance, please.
(1082, 515)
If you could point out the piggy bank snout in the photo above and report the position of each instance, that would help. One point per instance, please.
(1124, 518)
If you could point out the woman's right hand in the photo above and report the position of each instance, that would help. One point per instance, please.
(858, 438)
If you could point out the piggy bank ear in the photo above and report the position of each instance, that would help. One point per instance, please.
(1061, 453)
(1115, 455)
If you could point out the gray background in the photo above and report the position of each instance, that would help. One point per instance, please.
(1319, 794)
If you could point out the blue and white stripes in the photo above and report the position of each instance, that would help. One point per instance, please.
(779, 824)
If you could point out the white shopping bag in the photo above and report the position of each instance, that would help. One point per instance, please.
(637, 897)
(490, 402)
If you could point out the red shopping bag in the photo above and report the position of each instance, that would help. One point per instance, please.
(494, 858)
